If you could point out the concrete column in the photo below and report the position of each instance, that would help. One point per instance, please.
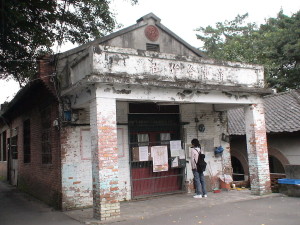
(104, 158)
(257, 149)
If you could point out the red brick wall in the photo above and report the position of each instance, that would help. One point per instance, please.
(40, 180)
(46, 72)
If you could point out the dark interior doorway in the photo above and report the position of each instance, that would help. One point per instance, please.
(275, 165)
(238, 170)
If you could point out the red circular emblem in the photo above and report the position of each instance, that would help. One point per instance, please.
(152, 33)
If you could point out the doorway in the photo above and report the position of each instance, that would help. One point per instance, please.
(154, 129)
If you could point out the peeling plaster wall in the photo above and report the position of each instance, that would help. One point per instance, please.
(209, 139)
(76, 168)
(134, 66)
(77, 165)
(67, 66)
(156, 94)
(108, 64)
(123, 154)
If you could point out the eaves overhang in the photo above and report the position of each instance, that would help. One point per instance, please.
(29, 91)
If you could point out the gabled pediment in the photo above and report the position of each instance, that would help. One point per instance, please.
(147, 34)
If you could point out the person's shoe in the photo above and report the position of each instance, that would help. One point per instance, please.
(204, 196)
(197, 196)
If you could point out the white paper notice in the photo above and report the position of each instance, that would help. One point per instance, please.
(175, 162)
(175, 152)
(160, 158)
(143, 153)
(181, 154)
(175, 145)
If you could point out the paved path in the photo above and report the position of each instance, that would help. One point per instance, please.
(159, 207)
(265, 211)
(17, 208)
(226, 208)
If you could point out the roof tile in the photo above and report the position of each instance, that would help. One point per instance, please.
(282, 113)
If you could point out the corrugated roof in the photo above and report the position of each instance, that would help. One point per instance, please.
(282, 113)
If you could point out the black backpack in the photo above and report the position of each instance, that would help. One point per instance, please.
(201, 164)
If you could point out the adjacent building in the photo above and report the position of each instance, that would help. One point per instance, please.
(282, 112)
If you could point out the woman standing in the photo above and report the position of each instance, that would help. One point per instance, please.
(198, 176)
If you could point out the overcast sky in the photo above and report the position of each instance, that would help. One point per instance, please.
(183, 17)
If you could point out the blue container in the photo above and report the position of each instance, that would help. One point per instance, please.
(289, 181)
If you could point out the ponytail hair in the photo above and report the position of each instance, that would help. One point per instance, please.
(196, 143)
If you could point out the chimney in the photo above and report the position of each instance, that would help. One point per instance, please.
(46, 71)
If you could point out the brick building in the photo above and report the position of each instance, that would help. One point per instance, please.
(120, 101)
(33, 159)
(283, 136)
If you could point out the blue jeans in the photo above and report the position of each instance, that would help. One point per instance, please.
(199, 183)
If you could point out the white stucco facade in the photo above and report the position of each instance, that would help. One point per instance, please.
(104, 80)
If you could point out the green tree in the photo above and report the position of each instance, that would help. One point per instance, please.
(30, 28)
(275, 45)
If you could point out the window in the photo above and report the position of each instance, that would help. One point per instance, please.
(14, 146)
(46, 136)
(26, 141)
(4, 147)
(143, 139)
(165, 138)
(152, 47)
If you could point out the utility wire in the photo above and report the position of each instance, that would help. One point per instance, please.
(60, 40)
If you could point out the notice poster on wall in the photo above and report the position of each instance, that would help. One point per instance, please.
(175, 162)
(181, 154)
(160, 158)
(143, 153)
(140, 154)
(175, 147)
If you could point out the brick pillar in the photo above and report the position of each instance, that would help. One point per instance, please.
(104, 158)
(257, 149)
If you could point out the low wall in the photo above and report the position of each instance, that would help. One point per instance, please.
(292, 171)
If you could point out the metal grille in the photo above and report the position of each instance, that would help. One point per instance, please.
(26, 141)
(154, 130)
(46, 135)
(46, 147)
(14, 147)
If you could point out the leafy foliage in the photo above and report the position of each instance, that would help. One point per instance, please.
(30, 28)
(275, 45)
